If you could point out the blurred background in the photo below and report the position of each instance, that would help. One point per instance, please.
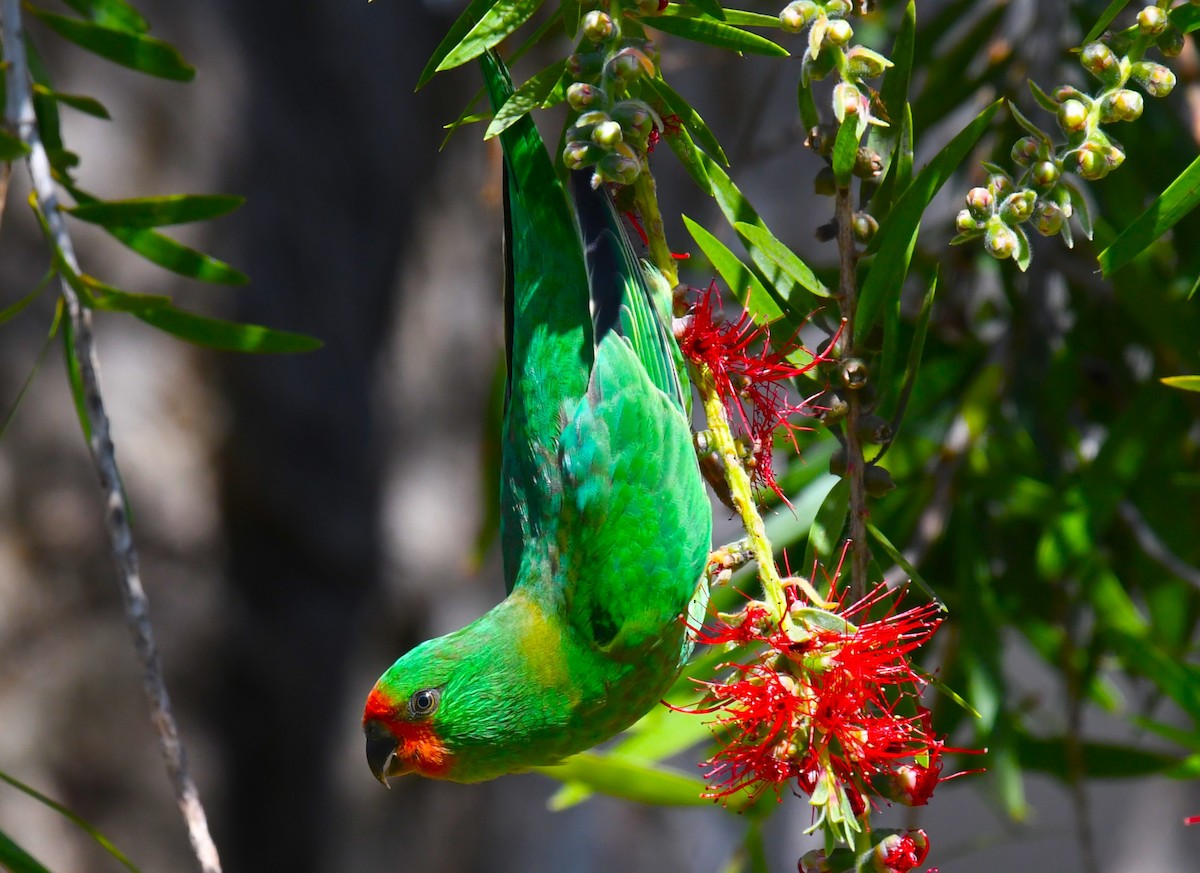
(304, 520)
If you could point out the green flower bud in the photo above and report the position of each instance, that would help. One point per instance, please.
(1024, 150)
(1152, 21)
(839, 32)
(877, 480)
(621, 165)
(581, 95)
(636, 118)
(965, 222)
(1089, 161)
(1170, 42)
(1122, 105)
(1069, 92)
(607, 133)
(847, 101)
(578, 154)
(797, 15)
(1000, 240)
(1000, 185)
(597, 26)
(1101, 61)
(585, 65)
(864, 226)
(1155, 79)
(1017, 207)
(1072, 116)
(837, 8)
(853, 373)
(1044, 175)
(864, 63)
(980, 202)
(629, 64)
(868, 163)
(1048, 218)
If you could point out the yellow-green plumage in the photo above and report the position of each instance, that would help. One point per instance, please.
(606, 525)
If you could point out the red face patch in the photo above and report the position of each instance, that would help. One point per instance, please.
(419, 749)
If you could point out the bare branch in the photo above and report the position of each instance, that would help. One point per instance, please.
(21, 118)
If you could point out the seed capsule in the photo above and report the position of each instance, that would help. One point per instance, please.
(854, 373)
(877, 480)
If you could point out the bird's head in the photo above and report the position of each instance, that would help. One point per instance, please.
(405, 716)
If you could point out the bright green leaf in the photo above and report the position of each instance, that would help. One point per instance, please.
(1161, 215)
(178, 258)
(689, 118)
(1187, 383)
(115, 14)
(143, 212)
(16, 859)
(502, 19)
(11, 148)
(782, 256)
(83, 103)
(1106, 18)
(746, 287)
(526, 98)
(136, 51)
(845, 150)
(715, 33)
(216, 333)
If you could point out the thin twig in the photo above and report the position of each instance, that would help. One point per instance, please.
(21, 117)
(847, 297)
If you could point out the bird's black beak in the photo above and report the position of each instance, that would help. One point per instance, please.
(381, 751)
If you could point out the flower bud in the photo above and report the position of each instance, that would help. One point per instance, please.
(847, 101)
(1000, 185)
(585, 124)
(868, 163)
(965, 222)
(1072, 116)
(874, 429)
(1087, 161)
(1024, 151)
(1121, 105)
(629, 64)
(839, 462)
(877, 481)
(1067, 92)
(597, 26)
(636, 118)
(797, 15)
(1101, 61)
(621, 165)
(1048, 218)
(839, 32)
(980, 202)
(1044, 175)
(607, 133)
(581, 95)
(585, 65)
(577, 155)
(1018, 206)
(1155, 79)
(1152, 21)
(1000, 240)
(864, 226)
(837, 8)
(900, 852)
(863, 63)
(825, 183)
(1170, 42)
(853, 373)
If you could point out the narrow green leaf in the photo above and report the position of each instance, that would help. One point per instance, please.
(845, 150)
(13, 310)
(1100, 760)
(74, 818)
(143, 212)
(570, 10)
(639, 781)
(1083, 212)
(134, 50)
(746, 287)
(11, 148)
(1030, 128)
(896, 239)
(711, 8)
(782, 256)
(81, 102)
(470, 17)
(501, 20)
(1106, 17)
(689, 118)
(116, 14)
(33, 371)
(715, 33)
(529, 96)
(901, 561)
(1161, 215)
(216, 333)
(825, 534)
(16, 859)
(1186, 383)
(684, 147)
(178, 258)
(810, 116)
(1043, 99)
(111, 299)
(1186, 17)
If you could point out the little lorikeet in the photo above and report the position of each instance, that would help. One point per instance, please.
(606, 525)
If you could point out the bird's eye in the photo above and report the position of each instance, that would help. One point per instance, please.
(424, 702)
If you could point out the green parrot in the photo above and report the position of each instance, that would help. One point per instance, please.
(606, 525)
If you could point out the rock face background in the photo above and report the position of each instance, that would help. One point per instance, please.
(304, 520)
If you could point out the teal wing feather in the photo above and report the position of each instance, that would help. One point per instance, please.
(548, 329)
(635, 526)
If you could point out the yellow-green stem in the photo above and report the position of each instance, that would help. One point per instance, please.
(646, 199)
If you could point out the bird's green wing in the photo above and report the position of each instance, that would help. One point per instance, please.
(548, 329)
(635, 525)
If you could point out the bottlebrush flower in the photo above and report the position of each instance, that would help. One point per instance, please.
(748, 374)
(827, 702)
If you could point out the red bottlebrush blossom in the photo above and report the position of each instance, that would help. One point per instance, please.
(747, 374)
(900, 853)
(826, 705)
(672, 124)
